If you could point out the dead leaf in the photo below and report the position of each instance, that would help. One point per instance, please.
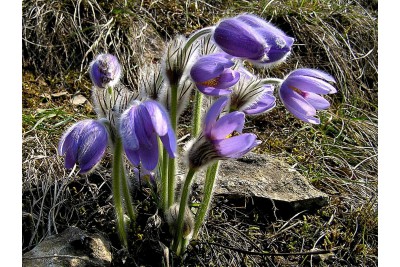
(59, 94)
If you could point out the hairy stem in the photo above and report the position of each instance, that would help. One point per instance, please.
(127, 194)
(211, 174)
(164, 180)
(182, 207)
(197, 113)
(172, 161)
(116, 189)
(197, 35)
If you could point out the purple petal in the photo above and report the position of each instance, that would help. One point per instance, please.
(212, 91)
(127, 129)
(210, 66)
(295, 102)
(259, 23)
(143, 127)
(133, 156)
(233, 121)
(149, 155)
(317, 101)
(239, 39)
(93, 144)
(236, 146)
(227, 79)
(278, 42)
(169, 142)
(69, 144)
(264, 104)
(158, 116)
(213, 113)
(301, 116)
(313, 73)
(310, 84)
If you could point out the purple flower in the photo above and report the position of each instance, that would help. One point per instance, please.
(105, 71)
(250, 37)
(84, 143)
(213, 74)
(139, 127)
(299, 93)
(221, 138)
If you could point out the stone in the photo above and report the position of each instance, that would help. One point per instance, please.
(73, 247)
(78, 100)
(268, 182)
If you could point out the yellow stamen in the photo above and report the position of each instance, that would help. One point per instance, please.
(297, 90)
(211, 83)
(234, 133)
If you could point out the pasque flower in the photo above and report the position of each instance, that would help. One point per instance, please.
(84, 143)
(221, 138)
(105, 71)
(139, 127)
(213, 74)
(250, 37)
(300, 91)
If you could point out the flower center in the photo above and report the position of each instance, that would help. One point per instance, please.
(234, 133)
(297, 90)
(211, 82)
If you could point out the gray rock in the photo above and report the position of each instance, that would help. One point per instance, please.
(267, 181)
(73, 247)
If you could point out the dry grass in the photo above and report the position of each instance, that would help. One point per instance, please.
(339, 156)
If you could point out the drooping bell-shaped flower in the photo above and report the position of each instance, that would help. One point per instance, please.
(139, 127)
(252, 38)
(300, 93)
(105, 71)
(84, 143)
(221, 138)
(213, 74)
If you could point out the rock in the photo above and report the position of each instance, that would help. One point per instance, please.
(78, 100)
(73, 247)
(268, 182)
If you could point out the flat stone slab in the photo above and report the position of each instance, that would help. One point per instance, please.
(267, 180)
(73, 247)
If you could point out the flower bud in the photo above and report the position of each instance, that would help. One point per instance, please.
(84, 143)
(252, 38)
(188, 221)
(105, 71)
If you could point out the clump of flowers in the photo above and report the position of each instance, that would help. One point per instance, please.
(141, 123)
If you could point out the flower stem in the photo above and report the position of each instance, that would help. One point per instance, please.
(116, 189)
(197, 113)
(172, 161)
(271, 81)
(182, 207)
(127, 194)
(164, 181)
(196, 35)
(211, 174)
